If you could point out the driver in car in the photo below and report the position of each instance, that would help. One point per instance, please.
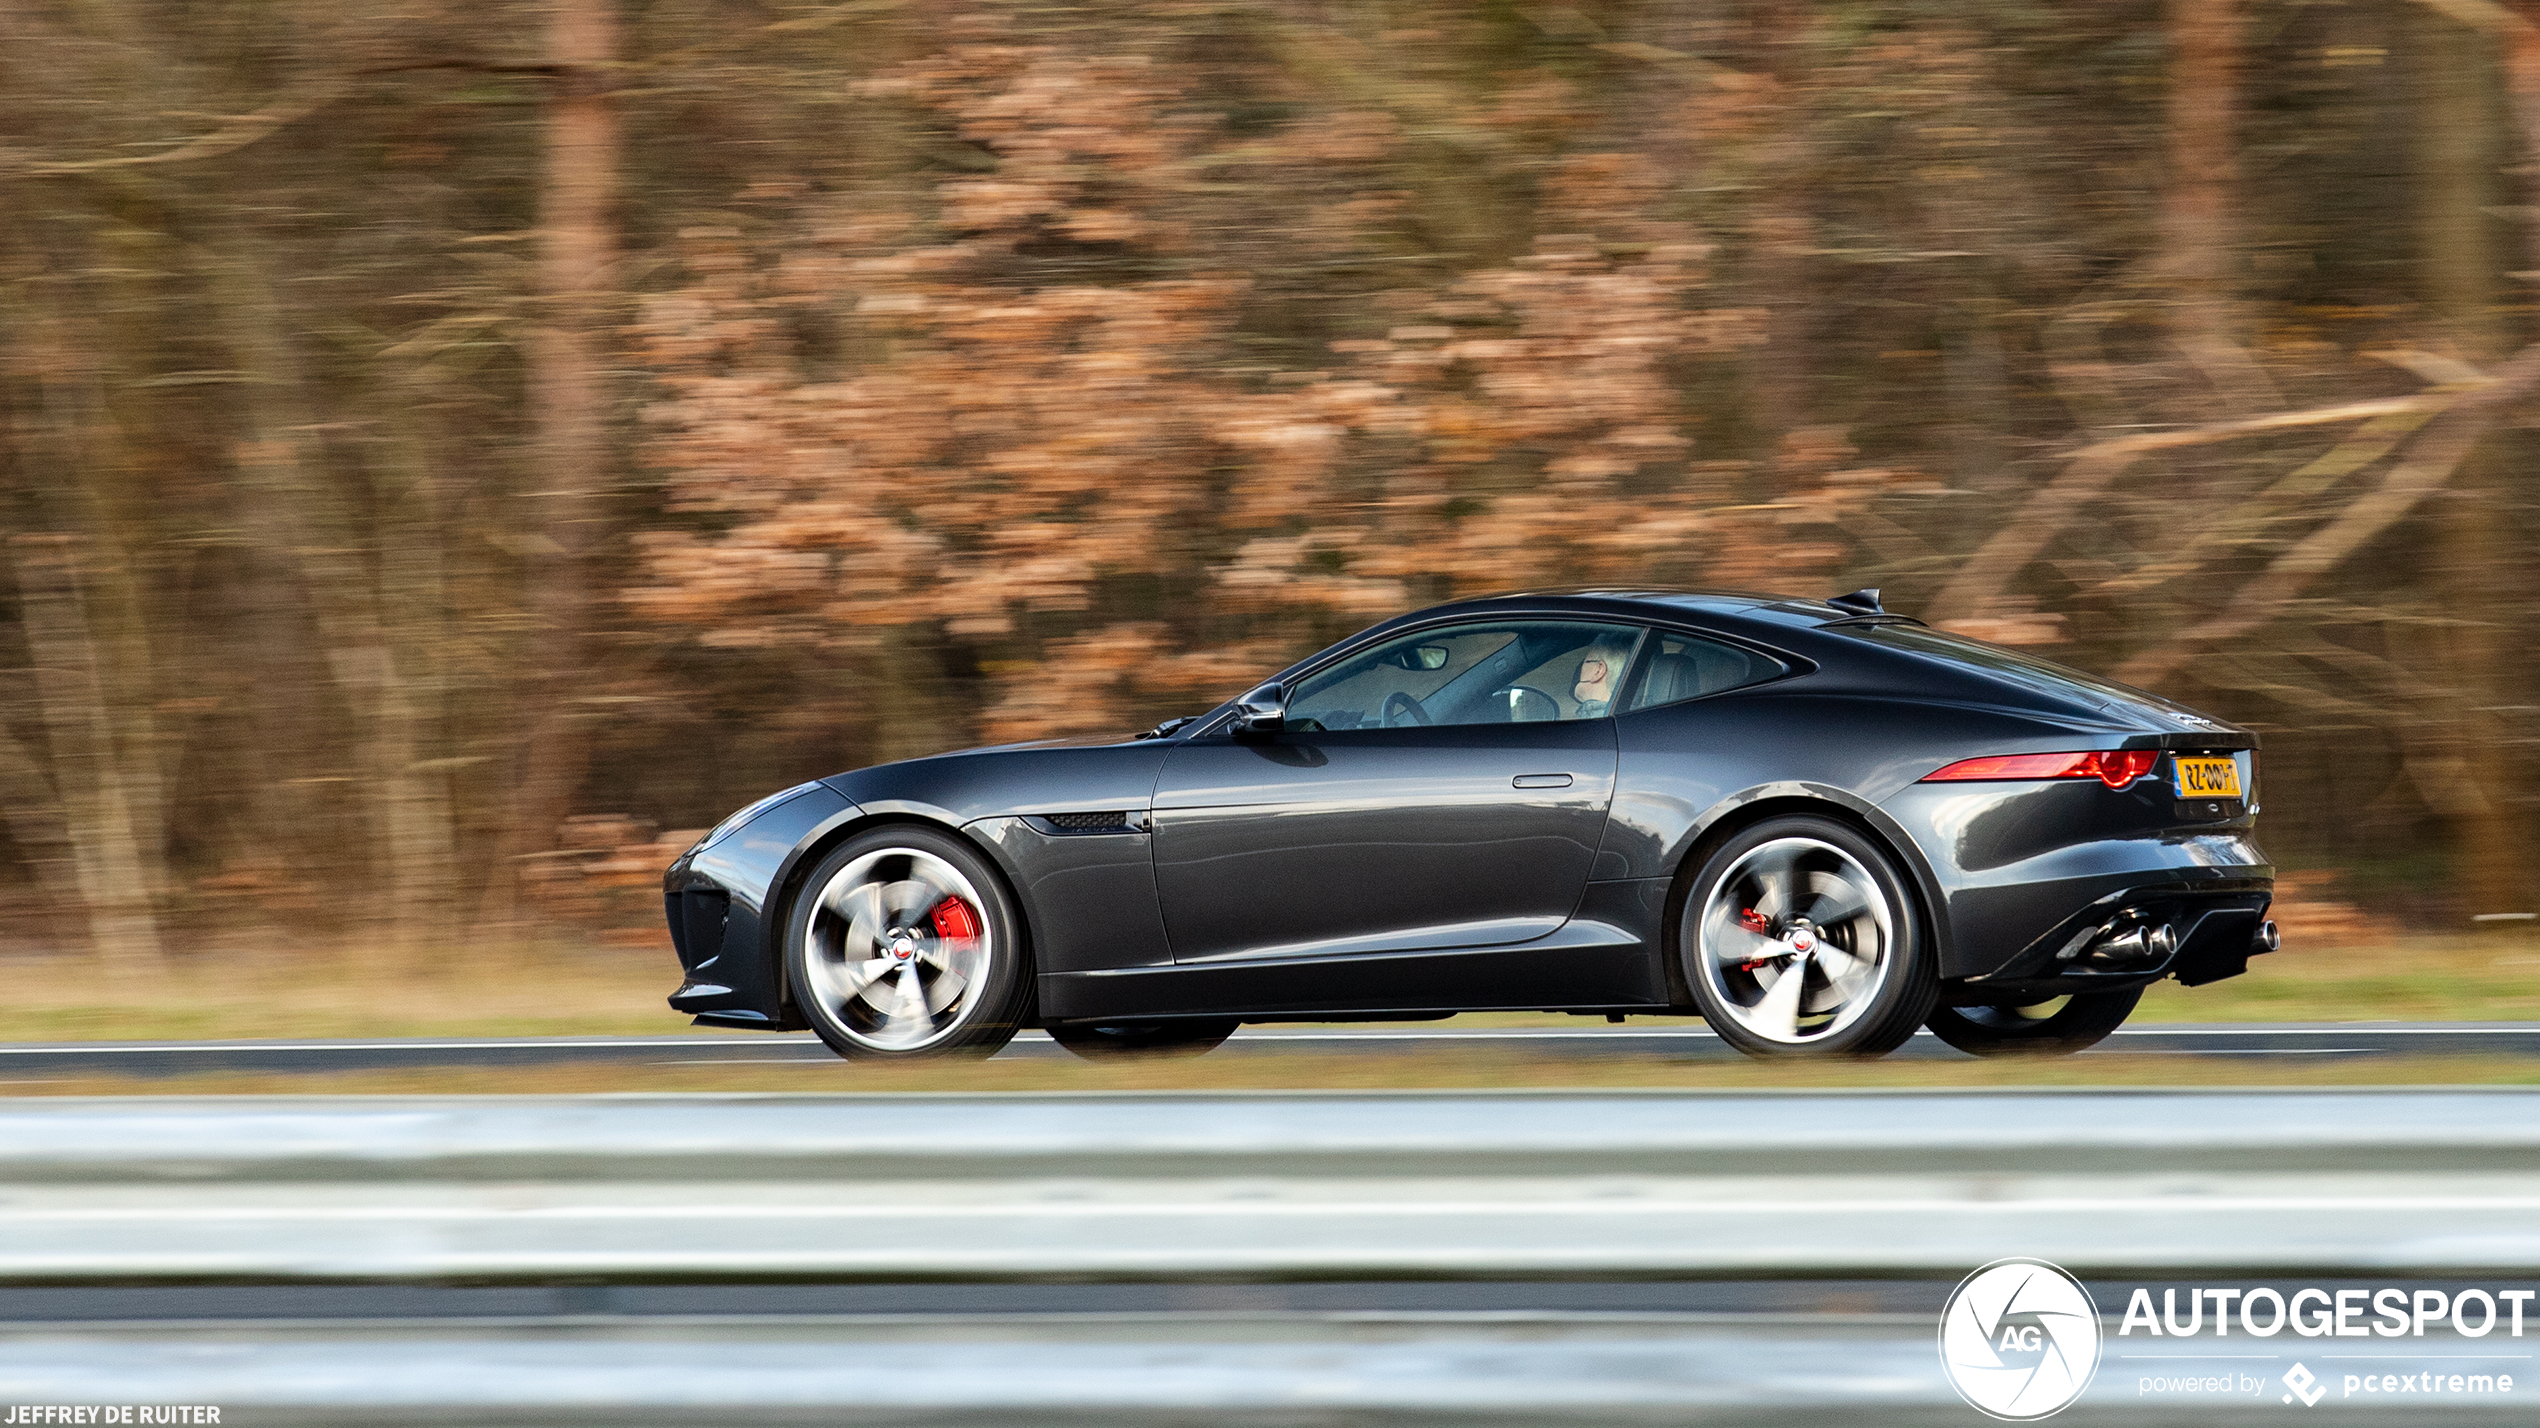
(1599, 668)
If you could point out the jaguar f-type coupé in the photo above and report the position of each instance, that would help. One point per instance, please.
(1816, 825)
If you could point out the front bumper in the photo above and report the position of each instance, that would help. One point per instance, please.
(724, 899)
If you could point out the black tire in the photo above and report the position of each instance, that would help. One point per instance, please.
(2057, 1027)
(827, 949)
(1111, 1041)
(1826, 867)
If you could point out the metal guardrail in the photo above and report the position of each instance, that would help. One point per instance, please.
(1136, 1375)
(338, 1194)
(1110, 1376)
(1332, 1186)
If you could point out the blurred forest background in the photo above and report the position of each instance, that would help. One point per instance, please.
(447, 448)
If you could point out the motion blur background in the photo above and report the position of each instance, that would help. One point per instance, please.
(449, 449)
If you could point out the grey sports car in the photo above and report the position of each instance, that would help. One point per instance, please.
(1812, 823)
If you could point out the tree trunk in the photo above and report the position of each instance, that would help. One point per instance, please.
(576, 263)
(1781, 229)
(113, 859)
(2199, 231)
(357, 574)
(85, 619)
(38, 824)
(2458, 166)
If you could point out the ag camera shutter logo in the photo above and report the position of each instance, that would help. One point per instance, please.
(2020, 1339)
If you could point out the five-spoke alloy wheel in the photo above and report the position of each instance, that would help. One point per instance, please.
(905, 944)
(1801, 939)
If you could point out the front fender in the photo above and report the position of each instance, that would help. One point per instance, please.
(737, 981)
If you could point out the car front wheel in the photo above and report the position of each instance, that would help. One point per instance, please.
(1801, 939)
(2058, 1026)
(903, 945)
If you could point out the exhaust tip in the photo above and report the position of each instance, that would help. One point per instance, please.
(2266, 938)
(2142, 945)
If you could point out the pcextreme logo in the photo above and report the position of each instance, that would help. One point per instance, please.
(2019, 1339)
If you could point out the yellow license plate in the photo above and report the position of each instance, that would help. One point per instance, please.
(2208, 778)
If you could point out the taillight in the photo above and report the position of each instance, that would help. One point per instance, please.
(2115, 768)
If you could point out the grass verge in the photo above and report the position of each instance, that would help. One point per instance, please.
(2478, 976)
(564, 991)
(528, 990)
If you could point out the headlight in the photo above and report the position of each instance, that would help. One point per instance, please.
(717, 834)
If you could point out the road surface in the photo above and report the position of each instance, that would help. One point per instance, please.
(44, 1061)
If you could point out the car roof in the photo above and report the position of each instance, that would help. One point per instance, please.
(1813, 630)
(1734, 612)
(1806, 627)
(1642, 602)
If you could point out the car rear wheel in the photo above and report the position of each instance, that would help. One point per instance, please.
(2058, 1026)
(1801, 939)
(1107, 1041)
(905, 945)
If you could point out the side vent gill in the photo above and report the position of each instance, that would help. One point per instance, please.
(1120, 820)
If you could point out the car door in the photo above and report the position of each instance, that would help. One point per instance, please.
(1446, 789)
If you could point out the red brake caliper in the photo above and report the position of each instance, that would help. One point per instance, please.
(1761, 926)
(955, 919)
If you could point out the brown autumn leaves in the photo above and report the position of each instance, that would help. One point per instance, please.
(1060, 395)
(958, 372)
(1027, 444)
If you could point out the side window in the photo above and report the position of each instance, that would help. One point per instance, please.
(1680, 667)
(1519, 671)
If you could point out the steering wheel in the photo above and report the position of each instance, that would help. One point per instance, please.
(1419, 716)
(1525, 703)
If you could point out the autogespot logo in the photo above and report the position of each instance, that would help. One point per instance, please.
(2020, 1339)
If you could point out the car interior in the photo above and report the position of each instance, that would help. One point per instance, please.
(1522, 672)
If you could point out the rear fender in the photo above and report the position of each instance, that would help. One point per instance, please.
(1725, 819)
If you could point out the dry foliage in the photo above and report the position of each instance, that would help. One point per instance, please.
(427, 431)
(1034, 442)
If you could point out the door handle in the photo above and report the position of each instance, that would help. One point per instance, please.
(1540, 781)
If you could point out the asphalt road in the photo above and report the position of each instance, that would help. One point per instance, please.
(43, 1061)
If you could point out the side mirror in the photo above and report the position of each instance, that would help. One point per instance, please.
(1263, 711)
